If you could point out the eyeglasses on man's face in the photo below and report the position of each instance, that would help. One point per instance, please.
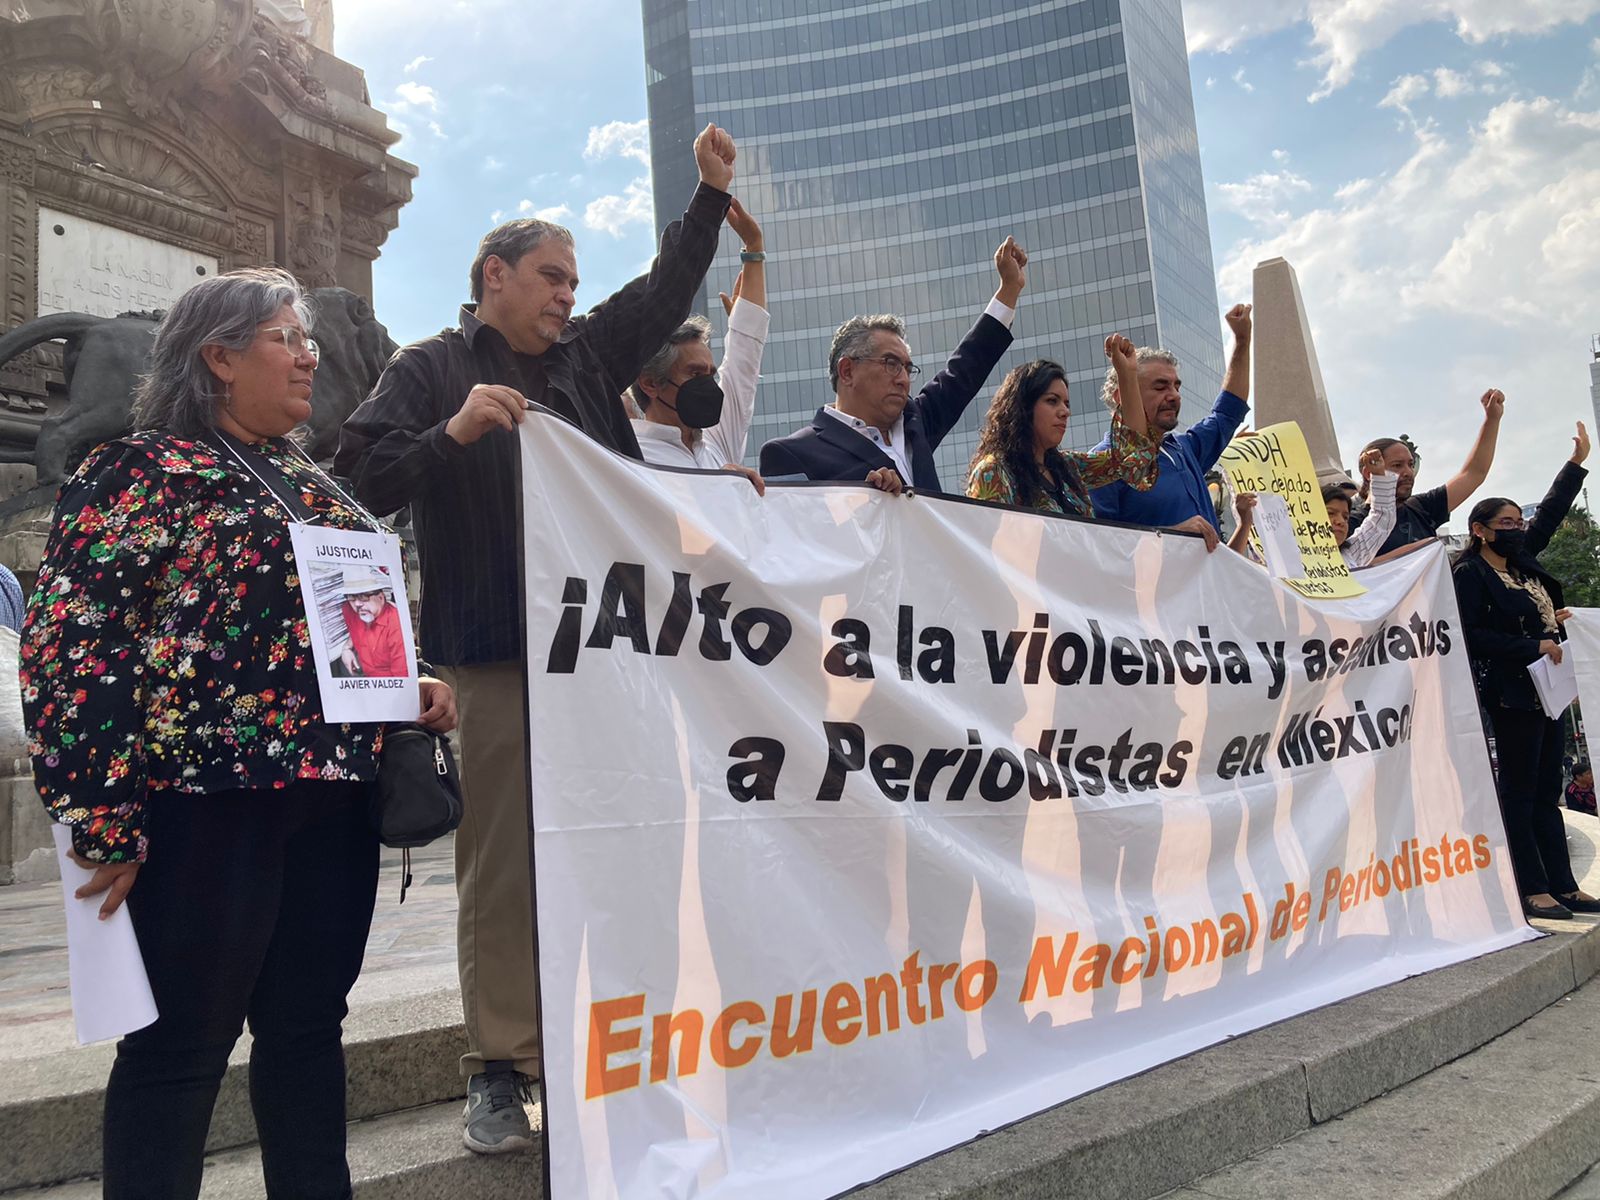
(891, 364)
(296, 341)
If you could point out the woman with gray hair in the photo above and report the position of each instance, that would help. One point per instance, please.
(171, 701)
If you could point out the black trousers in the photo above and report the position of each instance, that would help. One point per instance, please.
(252, 904)
(1528, 746)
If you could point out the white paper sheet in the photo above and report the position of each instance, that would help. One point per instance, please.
(1556, 683)
(332, 562)
(110, 991)
(1275, 528)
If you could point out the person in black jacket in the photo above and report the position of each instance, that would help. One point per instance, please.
(437, 433)
(1511, 613)
(875, 431)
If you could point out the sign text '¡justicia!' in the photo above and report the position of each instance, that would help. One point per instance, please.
(919, 994)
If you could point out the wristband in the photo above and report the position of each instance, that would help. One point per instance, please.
(752, 256)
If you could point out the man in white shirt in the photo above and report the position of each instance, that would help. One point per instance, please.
(875, 431)
(695, 414)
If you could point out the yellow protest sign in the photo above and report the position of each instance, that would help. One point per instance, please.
(1294, 540)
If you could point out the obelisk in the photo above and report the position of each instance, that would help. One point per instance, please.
(1287, 381)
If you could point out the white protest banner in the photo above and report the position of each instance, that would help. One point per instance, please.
(865, 824)
(1583, 644)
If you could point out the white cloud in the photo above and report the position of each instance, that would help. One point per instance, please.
(1280, 156)
(559, 213)
(1448, 84)
(417, 95)
(613, 214)
(493, 164)
(1589, 85)
(1405, 92)
(1343, 31)
(1211, 82)
(1464, 268)
(1238, 77)
(628, 139)
(416, 63)
(1262, 198)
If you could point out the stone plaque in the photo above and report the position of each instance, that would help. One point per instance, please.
(88, 267)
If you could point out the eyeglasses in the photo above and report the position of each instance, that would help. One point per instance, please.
(296, 341)
(891, 364)
(1508, 523)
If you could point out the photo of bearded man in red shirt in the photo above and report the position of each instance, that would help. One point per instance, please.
(377, 645)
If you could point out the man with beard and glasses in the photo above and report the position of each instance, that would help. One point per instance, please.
(1180, 500)
(377, 644)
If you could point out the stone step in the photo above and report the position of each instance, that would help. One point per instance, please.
(1131, 1141)
(1518, 1119)
(412, 1155)
(1144, 1136)
(400, 1053)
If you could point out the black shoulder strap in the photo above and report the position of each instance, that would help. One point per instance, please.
(265, 472)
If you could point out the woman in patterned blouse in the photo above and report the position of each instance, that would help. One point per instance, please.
(171, 700)
(1019, 460)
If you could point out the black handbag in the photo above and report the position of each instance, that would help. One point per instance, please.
(417, 795)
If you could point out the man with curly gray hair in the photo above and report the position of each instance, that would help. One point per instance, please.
(1180, 500)
(874, 431)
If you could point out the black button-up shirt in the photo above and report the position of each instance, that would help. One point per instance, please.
(466, 501)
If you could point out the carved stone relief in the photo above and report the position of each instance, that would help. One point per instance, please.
(16, 163)
(251, 243)
(130, 155)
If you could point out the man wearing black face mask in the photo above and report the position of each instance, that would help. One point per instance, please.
(696, 414)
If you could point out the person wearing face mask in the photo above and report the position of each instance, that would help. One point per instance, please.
(697, 414)
(1511, 614)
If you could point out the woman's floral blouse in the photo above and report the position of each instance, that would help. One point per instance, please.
(1130, 458)
(166, 644)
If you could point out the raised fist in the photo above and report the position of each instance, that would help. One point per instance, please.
(714, 153)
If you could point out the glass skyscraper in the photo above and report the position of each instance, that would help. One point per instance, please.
(889, 146)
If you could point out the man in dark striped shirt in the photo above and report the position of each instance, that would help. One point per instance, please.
(438, 433)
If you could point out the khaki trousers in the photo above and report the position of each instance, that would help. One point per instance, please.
(494, 871)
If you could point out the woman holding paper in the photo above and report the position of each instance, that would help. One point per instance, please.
(170, 694)
(1511, 610)
(1019, 460)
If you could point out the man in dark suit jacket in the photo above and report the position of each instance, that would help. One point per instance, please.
(874, 431)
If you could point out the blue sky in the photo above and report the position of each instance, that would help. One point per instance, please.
(1430, 167)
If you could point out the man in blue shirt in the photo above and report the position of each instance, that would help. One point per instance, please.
(1179, 500)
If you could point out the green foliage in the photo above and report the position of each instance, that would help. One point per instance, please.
(1573, 556)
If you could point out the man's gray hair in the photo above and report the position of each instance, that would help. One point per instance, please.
(180, 394)
(1141, 356)
(658, 367)
(854, 338)
(509, 242)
